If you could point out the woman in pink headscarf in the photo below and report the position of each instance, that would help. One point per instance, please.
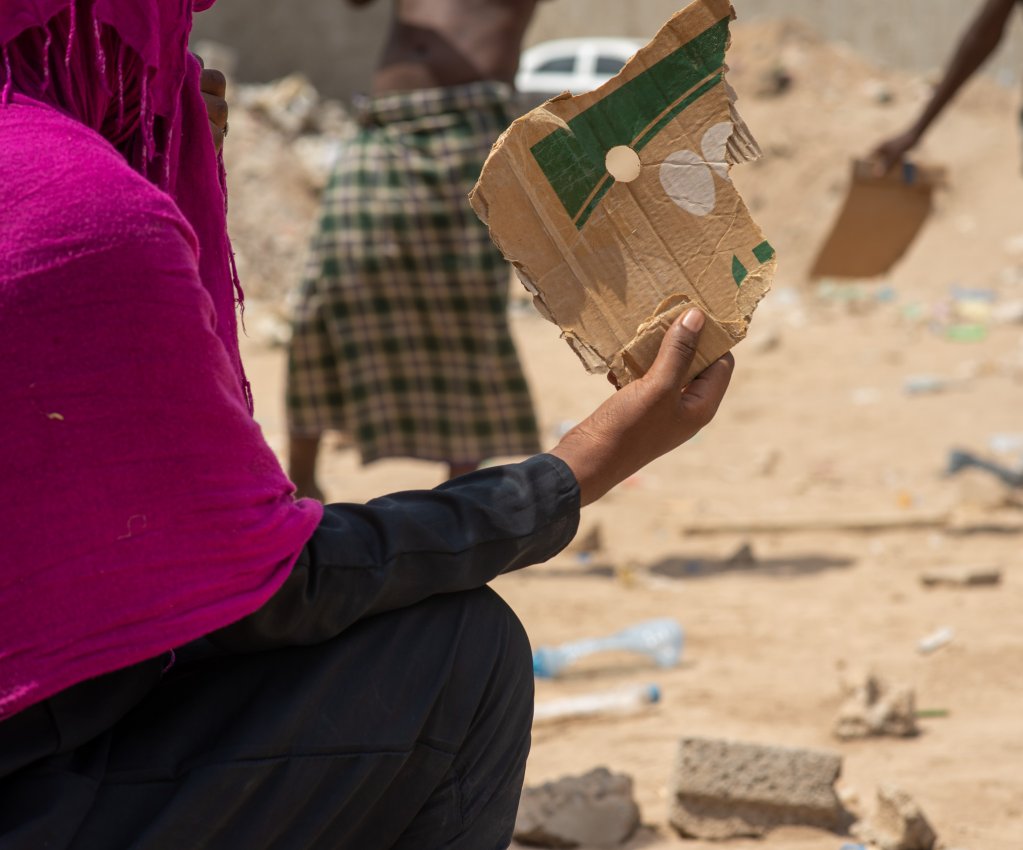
(188, 656)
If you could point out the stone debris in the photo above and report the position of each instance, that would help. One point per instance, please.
(874, 708)
(594, 810)
(764, 342)
(962, 577)
(978, 490)
(291, 104)
(283, 141)
(590, 540)
(742, 557)
(1008, 313)
(727, 789)
(897, 823)
(766, 462)
(774, 83)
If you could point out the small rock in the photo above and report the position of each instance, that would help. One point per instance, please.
(593, 810)
(879, 92)
(873, 708)
(773, 83)
(290, 104)
(316, 155)
(728, 789)
(1009, 313)
(962, 577)
(591, 540)
(266, 324)
(977, 489)
(898, 823)
(764, 342)
(766, 462)
(742, 557)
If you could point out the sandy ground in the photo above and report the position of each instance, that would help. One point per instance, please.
(765, 643)
(817, 424)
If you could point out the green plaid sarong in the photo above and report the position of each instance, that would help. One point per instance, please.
(401, 336)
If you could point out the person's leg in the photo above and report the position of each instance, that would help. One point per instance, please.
(410, 730)
(303, 451)
(457, 469)
(487, 773)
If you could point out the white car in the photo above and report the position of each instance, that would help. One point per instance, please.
(577, 65)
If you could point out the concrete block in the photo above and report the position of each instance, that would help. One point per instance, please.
(594, 810)
(727, 789)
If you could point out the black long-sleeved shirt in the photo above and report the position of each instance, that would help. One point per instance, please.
(400, 549)
(362, 560)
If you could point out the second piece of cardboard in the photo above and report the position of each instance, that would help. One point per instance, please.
(879, 221)
(617, 209)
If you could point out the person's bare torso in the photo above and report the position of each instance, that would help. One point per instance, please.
(435, 43)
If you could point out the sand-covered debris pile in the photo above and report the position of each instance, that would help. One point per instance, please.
(282, 138)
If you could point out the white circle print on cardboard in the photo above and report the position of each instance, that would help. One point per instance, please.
(688, 177)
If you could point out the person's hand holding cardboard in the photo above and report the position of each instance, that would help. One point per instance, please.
(650, 417)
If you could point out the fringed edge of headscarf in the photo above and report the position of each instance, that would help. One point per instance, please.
(5, 95)
(150, 154)
(153, 147)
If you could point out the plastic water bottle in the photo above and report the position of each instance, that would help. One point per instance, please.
(935, 641)
(620, 701)
(660, 640)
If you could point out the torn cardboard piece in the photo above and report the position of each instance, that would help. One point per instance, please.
(879, 221)
(617, 210)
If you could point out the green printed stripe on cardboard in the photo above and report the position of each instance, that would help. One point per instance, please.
(573, 158)
(764, 252)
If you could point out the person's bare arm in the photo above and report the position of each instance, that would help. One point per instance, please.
(649, 417)
(400, 549)
(975, 47)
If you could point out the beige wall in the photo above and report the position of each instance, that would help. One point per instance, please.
(336, 45)
(330, 41)
(914, 34)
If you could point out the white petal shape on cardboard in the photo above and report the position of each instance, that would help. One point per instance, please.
(689, 182)
(715, 147)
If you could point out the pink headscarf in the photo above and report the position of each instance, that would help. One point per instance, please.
(142, 506)
(132, 53)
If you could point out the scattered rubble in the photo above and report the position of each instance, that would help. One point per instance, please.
(898, 823)
(774, 83)
(278, 155)
(765, 342)
(593, 810)
(962, 577)
(874, 708)
(978, 490)
(742, 557)
(588, 541)
(728, 789)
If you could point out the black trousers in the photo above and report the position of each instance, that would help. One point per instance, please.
(381, 699)
(411, 730)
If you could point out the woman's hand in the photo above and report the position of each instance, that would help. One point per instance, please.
(649, 417)
(893, 151)
(214, 89)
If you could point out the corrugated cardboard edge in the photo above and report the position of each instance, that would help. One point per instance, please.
(632, 361)
(718, 337)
